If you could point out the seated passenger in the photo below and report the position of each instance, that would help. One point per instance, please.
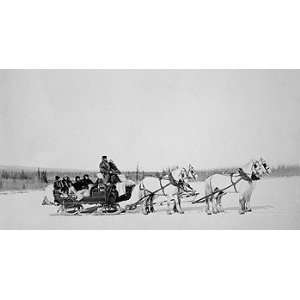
(57, 189)
(57, 185)
(67, 183)
(80, 189)
(77, 184)
(86, 181)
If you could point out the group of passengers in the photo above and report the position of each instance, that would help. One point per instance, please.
(82, 186)
(66, 186)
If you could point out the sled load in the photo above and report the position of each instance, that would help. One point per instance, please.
(102, 199)
(83, 196)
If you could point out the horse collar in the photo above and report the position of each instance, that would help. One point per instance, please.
(244, 175)
(254, 177)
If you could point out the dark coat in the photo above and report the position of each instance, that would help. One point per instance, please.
(110, 172)
(67, 183)
(78, 185)
(113, 168)
(105, 170)
(104, 167)
(57, 185)
(86, 182)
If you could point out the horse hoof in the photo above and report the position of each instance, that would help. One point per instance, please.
(249, 210)
(242, 212)
(181, 212)
(209, 213)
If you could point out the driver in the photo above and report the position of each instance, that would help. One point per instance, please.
(109, 171)
(105, 169)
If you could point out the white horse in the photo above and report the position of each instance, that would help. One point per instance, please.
(152, 189)
(241, 182)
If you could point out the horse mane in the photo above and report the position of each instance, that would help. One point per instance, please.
(248, 167)
(176, 173)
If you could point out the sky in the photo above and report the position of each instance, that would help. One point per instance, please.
(154, 118)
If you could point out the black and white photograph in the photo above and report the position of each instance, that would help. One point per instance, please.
(150, 149)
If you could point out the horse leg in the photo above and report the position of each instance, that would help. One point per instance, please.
(145, 207)
(209, 205)
(248, 207)
(151, 207)
(214, 203)
(242, 204)
(219, 202)
(206, 206)
(208, 199)
(169, 211)
(177, 205)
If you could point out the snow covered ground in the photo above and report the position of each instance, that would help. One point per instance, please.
(275, 204)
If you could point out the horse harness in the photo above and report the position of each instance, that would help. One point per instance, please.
(241, 174)
(179, 185)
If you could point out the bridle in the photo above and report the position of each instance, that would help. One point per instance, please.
(190, 173)
(265, 166)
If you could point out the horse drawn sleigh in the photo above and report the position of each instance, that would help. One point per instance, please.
(101, 200)
(178, 184)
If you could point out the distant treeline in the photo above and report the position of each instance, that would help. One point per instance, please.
(15, 174)
(280, 171)
(20, 179)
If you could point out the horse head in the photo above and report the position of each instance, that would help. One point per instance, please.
(179, 177)
(266, 168)
(260, 168)
(252, 170)
(192, 173)
(178, 174)
(256, 170)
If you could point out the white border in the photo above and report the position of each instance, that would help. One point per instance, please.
(149, 34)
(151, 264)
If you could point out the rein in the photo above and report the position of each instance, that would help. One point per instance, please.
(172, 181)
(220, 191)
(151, 193)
